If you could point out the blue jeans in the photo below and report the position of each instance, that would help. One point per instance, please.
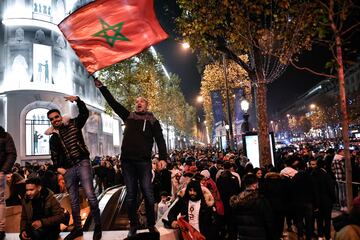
(81, 172)
(2, 201)
(136, 173)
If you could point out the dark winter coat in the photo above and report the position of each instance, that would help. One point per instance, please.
(7, 151)
(253, 216)
(303, 190)
(273, 190)
(67, 145)
(140, 131)
(228, 185)
(52, 214)
(324, 188)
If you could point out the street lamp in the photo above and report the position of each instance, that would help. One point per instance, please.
(272, 126)
(185, 45)
(207, 133)
(244, 104)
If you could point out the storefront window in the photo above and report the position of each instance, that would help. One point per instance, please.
(37, 143)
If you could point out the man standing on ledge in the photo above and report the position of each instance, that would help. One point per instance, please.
(70, 157)
(141, 128)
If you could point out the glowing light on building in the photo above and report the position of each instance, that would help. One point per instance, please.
(31, 23)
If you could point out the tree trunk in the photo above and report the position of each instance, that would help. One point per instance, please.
(344, 123)
(261, 107)
(263, 131)
(343, 107)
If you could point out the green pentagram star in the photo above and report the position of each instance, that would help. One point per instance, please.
(107, 28)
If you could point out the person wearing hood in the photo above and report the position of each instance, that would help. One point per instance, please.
(141, 128)
(196, 204)
(70, 157)
(253, 213)
(41, 213)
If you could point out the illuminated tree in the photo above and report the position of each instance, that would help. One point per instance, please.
(212, 80)
(269, 32)
(132, 78)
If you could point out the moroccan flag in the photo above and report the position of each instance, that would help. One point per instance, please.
(105, 32)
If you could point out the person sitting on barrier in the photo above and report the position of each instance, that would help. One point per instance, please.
(41, 213)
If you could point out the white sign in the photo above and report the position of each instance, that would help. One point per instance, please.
(252, 149)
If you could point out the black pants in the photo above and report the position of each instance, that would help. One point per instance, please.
(42, 234)
(303, 220)
(324, 222)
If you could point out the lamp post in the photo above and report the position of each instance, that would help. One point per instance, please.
(227, 127)
(272, 126)
(231, 134)
(207, 133)
(244, 104)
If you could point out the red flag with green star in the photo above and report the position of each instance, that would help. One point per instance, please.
(105, 32)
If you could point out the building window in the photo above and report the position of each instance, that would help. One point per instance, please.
(37, 143)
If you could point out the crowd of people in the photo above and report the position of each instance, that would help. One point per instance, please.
(229, 198)
(219, 194)
(297, 193)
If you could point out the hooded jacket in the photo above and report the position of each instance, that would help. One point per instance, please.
(140, 131)
(7, 151)
(206, 213)
(51, 211)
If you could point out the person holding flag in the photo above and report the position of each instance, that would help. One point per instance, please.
(141, 128)
(103, 33)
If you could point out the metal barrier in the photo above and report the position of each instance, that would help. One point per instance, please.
(340, 190)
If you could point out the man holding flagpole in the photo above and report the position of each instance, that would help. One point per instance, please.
(141, 128)
(103, 33)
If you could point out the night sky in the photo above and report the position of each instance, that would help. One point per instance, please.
(281, 93)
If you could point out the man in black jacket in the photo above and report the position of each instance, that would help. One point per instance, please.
(253, 213)
(7, 160)
(71, 159)
(325, 191)
(141, 128)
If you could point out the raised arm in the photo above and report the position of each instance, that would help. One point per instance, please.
(119, 109)
(80, 120)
